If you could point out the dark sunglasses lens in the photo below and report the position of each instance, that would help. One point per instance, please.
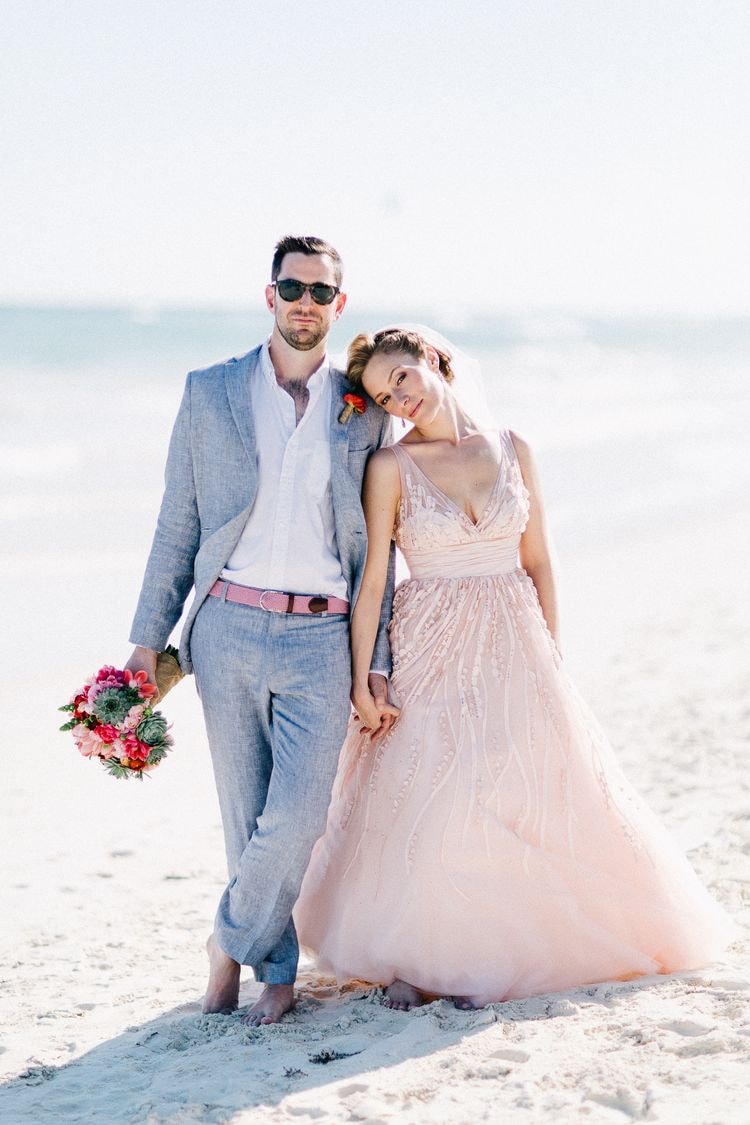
(322, 294)
(290, 290)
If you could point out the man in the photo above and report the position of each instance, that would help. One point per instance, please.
(262, 515)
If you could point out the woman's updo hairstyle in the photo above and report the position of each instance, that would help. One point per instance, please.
(388, 342)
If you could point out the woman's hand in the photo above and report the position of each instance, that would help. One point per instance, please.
(371, 706)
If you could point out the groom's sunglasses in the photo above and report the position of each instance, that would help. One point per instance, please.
(291, 290)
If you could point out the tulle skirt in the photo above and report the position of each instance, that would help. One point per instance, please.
(489, 846)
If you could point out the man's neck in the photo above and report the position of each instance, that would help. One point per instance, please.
(290, 365)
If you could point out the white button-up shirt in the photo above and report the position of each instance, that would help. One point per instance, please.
(289, 540)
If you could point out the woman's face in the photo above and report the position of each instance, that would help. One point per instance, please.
(404, 385)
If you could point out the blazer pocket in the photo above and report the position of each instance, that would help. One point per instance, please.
(356, 461)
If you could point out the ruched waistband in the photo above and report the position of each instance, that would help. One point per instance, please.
(463, 560)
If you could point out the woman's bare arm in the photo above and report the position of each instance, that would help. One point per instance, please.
(535, 551)
(380, 498)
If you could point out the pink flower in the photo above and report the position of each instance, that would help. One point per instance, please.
(109, 676)
(133, 717)
(91, 695)
(89, 743)
(106, 677)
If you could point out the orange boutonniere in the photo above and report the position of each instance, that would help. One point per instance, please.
(354, 405)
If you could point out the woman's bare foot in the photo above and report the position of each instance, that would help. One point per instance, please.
(223, 991)
(402, 996)
(464, 1003)
(275, 1001)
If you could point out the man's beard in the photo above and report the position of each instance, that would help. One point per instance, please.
(302, 339)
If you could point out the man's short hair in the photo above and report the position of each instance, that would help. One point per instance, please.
(305, 244)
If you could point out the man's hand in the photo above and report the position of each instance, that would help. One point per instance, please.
(144, 659)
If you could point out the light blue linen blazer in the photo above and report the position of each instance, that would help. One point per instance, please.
(211, 479)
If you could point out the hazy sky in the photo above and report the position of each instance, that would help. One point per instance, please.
(572, 154)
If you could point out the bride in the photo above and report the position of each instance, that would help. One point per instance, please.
(487, 846)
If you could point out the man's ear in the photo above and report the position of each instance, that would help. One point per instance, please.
(340, 303)
(271, 298)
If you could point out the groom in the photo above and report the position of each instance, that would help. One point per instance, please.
(262, 515)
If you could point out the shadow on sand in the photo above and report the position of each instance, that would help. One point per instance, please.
(187, 1067)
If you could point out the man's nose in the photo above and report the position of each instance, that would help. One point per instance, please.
(306, 298)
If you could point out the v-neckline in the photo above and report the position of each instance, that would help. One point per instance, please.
(450, 499)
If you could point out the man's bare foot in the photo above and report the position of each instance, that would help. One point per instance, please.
(223, 991)
(402, 996)
(275, 1001)
(464, 1003)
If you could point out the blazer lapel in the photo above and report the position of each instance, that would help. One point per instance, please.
(339, 430)
(237, 376)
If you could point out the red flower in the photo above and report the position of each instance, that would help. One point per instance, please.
(107, 732)
(78, 713)
(139, 680)
(355, 404)
(135, 749)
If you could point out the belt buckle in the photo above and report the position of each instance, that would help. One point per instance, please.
(263, 593)
(317, 605)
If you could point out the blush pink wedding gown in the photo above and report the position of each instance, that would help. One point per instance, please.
(489, 845)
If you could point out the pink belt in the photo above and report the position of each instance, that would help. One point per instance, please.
(275, 601)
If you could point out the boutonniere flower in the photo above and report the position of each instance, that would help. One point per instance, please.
(354, 404)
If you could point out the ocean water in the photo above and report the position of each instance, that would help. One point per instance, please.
(635, 422)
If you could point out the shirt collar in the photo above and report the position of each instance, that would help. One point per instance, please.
(317, 378)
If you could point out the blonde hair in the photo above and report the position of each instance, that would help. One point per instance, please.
(388, 342)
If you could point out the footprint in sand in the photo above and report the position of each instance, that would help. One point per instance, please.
(687, 1027)
(700, 1040)
(510, 1055)
(353, 1088)
(632, 1105)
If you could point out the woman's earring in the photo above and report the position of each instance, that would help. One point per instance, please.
(403, 423)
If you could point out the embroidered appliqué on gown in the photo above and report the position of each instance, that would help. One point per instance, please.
(489, 846)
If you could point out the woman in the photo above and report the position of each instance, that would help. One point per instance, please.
(486, 847)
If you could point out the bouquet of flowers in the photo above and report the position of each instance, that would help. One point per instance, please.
(112, 718)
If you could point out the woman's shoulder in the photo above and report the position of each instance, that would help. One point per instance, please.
(521, 447)
(383, 463)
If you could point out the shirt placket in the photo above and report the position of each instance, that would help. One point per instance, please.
(282, 524)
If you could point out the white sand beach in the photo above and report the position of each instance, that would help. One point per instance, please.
(109, 887)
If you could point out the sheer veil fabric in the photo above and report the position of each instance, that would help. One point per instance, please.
(469, 386)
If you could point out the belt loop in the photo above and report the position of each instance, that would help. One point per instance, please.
(290, 603)
(225, 591)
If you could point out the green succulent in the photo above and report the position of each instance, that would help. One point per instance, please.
(152, 729)
(112, 705)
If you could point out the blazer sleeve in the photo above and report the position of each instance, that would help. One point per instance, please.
(381, 655)
(169, 571)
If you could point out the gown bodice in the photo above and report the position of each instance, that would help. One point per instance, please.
(439, 540)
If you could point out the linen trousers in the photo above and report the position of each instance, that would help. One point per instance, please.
(275, 694)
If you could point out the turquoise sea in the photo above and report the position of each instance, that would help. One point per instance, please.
(634, 421)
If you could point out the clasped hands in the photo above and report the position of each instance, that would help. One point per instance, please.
(371, 707)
